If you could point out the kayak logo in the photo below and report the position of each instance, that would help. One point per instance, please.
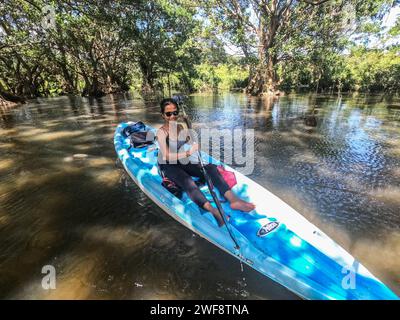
(267, 228)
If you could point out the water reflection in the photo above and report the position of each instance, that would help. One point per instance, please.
(65, 201)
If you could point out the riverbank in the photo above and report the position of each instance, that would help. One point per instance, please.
(7, 104)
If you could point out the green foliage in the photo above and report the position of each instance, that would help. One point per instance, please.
(100, 47)
(375, 70)
(274, 34)
(95, 47)
(395, 30)
(361, 70)
(232, 76)
(206, 79)
(223, 77)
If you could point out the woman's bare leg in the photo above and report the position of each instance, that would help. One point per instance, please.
(214, 211)
(237, 203)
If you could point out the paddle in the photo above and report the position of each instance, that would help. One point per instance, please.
(179, 101)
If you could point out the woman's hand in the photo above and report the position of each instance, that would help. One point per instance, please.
(194, 148)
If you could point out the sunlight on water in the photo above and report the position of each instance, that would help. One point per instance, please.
(66, 201)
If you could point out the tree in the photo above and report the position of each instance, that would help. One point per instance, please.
(163, 37)
(92, 47)
(275, 31)
(24, 68)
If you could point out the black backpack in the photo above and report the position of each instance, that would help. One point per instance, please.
(138, 134)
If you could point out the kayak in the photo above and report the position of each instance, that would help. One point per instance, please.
(273, 239)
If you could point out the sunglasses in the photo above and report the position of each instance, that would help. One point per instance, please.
(175, 113)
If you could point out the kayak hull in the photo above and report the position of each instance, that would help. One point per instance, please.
(274, 239)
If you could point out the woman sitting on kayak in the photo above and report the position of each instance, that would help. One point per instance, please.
(169, 161)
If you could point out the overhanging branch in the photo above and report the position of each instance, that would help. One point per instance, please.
(316, 2)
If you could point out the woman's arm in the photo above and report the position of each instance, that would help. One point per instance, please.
(166, 154)
(187, 137)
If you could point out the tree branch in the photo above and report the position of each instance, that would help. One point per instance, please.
(238, 14)
(316, 2)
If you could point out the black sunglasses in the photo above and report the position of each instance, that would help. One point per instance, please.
(175, 113)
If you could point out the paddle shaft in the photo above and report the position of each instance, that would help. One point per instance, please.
(208, 180)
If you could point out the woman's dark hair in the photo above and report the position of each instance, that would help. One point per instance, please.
(166, 102)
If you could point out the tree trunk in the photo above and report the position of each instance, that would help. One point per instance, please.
(7, 99)
(270, 80)
(69, 86)
(94, 89)
(264, 79)
(147, 79)
(147, 86)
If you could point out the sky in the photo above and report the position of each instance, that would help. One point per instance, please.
(391, 17)
(388, 22)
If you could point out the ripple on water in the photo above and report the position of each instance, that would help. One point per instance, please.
(108, 240)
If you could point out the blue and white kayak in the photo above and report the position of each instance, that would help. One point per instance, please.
(274, 239)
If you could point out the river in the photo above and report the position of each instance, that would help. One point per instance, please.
(65, 201)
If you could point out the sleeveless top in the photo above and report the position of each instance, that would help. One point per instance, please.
(173, 145)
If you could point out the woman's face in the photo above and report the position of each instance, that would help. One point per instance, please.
(170, 112)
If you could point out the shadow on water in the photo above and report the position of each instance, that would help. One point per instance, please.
(65, 201)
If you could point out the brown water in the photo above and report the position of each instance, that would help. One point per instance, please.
(66, 202)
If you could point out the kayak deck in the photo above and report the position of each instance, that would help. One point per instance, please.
(274, 239)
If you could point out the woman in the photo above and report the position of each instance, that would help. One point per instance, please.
(180, 173)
